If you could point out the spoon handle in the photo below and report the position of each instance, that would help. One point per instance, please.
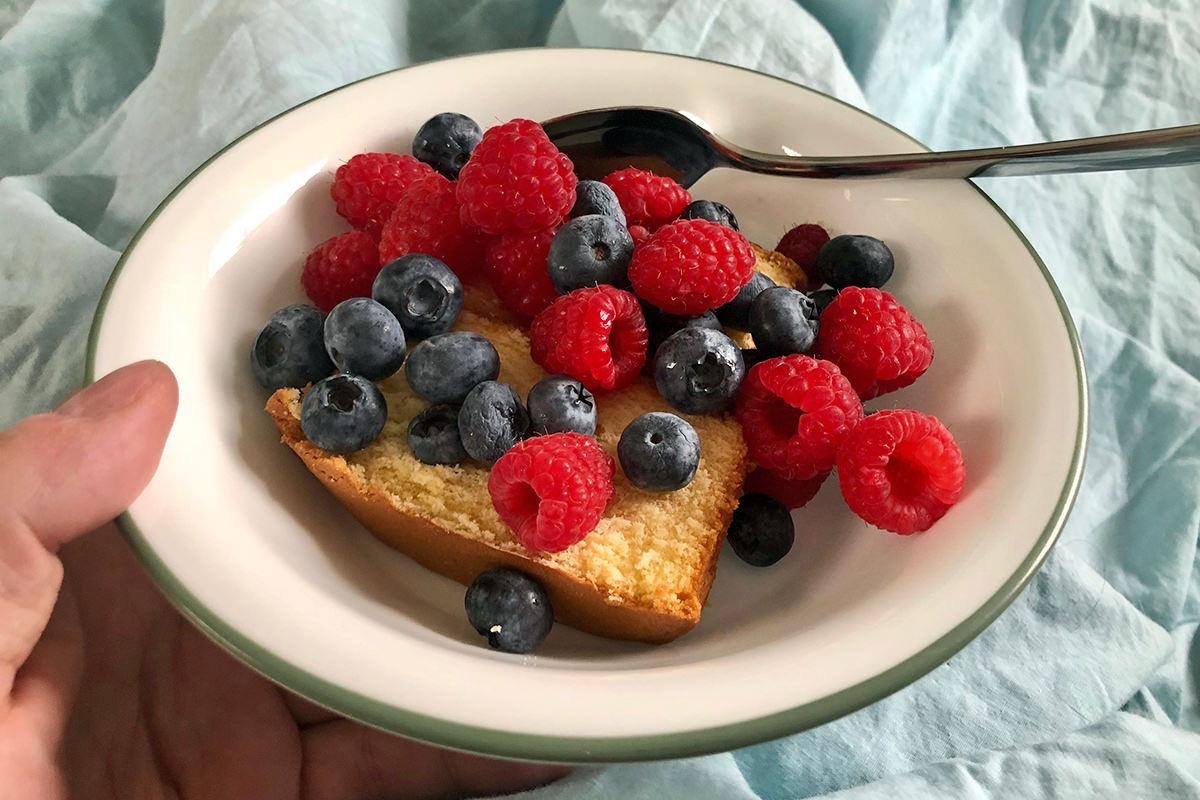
(1163, 147)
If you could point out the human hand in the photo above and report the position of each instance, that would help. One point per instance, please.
(106, 692)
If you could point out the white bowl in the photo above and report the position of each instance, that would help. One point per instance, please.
(248, 546)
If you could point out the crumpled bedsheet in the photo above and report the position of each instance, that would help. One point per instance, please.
(1087, 686)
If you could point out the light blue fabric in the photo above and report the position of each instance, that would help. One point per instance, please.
(1090, 684)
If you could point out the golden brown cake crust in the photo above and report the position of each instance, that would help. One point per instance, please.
(779, 268)
(576, 602)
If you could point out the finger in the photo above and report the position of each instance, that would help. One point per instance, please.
(45, 686)
(346, 761)
(305, 711)
(63, 474)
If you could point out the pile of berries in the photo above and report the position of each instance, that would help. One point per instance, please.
(615, 279)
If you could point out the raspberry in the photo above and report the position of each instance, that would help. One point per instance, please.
(516, 269)
(690, 266)
(425, 220)
(596, 335)
(339, 268)
(900, 470)
(516, 181)
(795, 411)
(639, 234)
(552, 490)
(648, 199)
(801, 244)
(367, 186)
(792, 493)
(873, 339)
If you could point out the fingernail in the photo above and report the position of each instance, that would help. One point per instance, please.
(110, 394)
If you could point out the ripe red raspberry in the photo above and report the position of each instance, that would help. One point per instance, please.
(339, 268)
(900, 470)
(596, 335)
(873, 339)
(516, 269)
(552, 490)
(690, 266)
(516, 181)
(792, 493)
(647, 199)
(639, 234)
(801, 244)
(367, 186)
(425, 220)
(795, 411)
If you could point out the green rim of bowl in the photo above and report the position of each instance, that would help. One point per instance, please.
(570, 749)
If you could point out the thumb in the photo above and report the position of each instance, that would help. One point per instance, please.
(62, 475)
(65, 473)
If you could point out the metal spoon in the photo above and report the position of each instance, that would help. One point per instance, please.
(682, 146)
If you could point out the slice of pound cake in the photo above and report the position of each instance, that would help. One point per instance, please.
(643, 573)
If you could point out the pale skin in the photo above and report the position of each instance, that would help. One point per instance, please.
(106, 692)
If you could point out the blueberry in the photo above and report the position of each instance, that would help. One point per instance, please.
(445, 142)
(594, 197)
(588, 251)
(762, 531)
(783, 321)
(661, 325)
(560, 404)
(752, 356)
(822, 298)
(364, 338)
(290, 349)
(659, 452)
(444, 368)
(736, 313)
(433, 436)
(698, 370)
(855, 261)
(343, 413)
(422, 292)
(492, 419)
(510, 608)
(710, 210)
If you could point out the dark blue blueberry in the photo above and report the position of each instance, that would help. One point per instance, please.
(783, 321)
(290, 349)
(445, 142)
(560, 404)
(364, 338)
(433, 436)
(698, 370)
(594, 197)
(444, 368)
(661, 325)
(588, 251)
(659, 452)
(492, 419)
(343, 413)
(422, 292)
(855, 261)
(752, 356)
(822, 298)
(762, 531)
(710, 210)
(736, 313)
(510, 608)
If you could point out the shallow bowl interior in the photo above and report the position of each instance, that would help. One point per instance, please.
(246, 543)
